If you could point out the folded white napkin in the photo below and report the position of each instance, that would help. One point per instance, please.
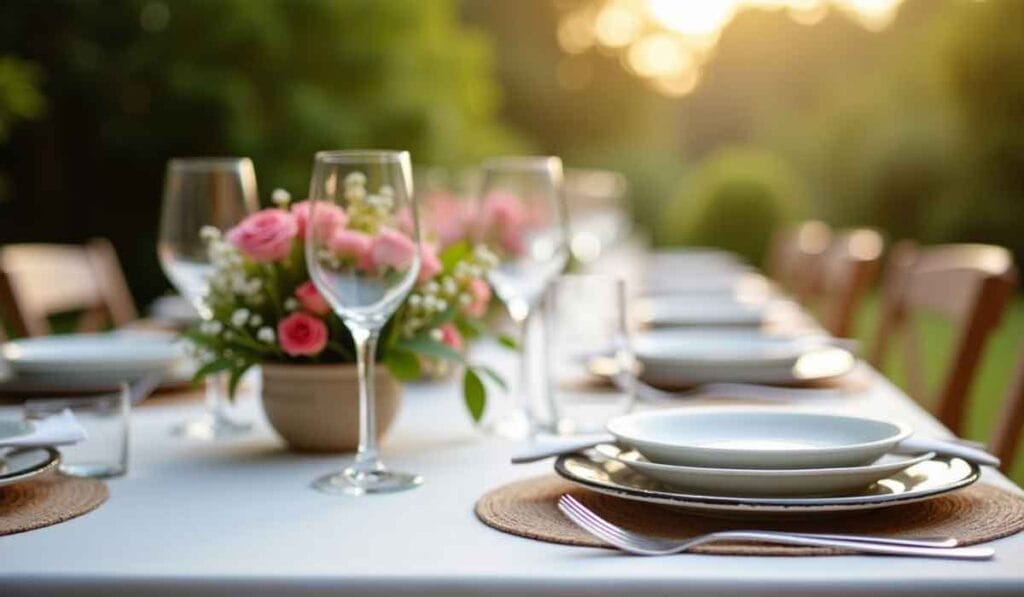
(57, 430)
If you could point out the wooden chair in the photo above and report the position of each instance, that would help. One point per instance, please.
(40, 280)
(1006, 436)
(847, 271)
(968, 284)
(795, 257)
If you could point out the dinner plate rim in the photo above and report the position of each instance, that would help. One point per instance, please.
(34, 364)
(51, 463)
(791, 473)
(768, 504)
(902, 431)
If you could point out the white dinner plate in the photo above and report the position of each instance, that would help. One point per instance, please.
(757, 439)
(761, 482)
(668, 311)
(22, 464)
(917, 483)
(119, 354)
(683, 282)
(11, 428)
(715, 346)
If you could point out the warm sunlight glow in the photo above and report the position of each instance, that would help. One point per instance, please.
(701, 18)
(666, 42)
(659, 55)
(618, 24)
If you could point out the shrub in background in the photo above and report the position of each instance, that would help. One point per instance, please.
(735, 199)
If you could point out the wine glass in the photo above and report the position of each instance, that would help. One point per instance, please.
(200, 192)
(363, 255)
(523, 220)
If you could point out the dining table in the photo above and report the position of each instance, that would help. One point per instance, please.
(239, 517)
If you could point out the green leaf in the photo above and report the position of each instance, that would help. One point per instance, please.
(403, 364)
(236, 376)
(212, 367)
(442, 318)
(469, 328)
(426, 346)
(508, 341)
(474, 393)
(454, 253)
(493, 375)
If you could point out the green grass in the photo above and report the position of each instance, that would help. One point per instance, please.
(992, 381)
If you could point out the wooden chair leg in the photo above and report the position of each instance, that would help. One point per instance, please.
(1006, 436)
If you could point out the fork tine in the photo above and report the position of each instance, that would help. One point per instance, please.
(595, 520)
(597, 532)
(592, 518)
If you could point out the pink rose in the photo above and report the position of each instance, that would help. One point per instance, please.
(391, 248)
(481, 293)
(301, 334)
(329, 217)
(450, 336)
(265, 235)
(504, 219)
(311, 299)
(353, 244)
(430, 265)
(450, 217)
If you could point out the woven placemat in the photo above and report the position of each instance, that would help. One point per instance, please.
(48, 500)
(528, 508)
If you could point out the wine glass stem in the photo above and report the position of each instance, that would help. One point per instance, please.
(217, 394)
(522, 321)
(367, 458)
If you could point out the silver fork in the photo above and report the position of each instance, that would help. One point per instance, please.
(638, 544)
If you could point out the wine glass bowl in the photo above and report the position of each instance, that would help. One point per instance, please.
(363, 254)
(522, 219)
(200, 194)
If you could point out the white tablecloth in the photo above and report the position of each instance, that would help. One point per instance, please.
(207, 519)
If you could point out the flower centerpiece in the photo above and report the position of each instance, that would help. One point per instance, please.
(267, 311)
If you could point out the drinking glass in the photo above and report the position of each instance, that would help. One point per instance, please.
(523, 220)
(201, 192)
(363, 255)
(587, 338)
(105, 418)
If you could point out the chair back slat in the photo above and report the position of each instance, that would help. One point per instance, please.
(1006, 436)
(970, 285)
(848, 271)
(46, 279)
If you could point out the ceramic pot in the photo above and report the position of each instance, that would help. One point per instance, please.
(315, 408)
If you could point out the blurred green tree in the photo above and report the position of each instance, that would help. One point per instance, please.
(736, 199)
(133, 82)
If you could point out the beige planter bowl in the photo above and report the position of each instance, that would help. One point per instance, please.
(315, 408)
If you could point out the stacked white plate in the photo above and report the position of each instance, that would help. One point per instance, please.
(98, 361)
(759, 463)
(680, 357)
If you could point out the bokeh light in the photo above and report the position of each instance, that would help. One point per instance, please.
(665, 42)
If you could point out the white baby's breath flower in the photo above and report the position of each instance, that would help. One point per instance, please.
(209, 233)
(436, 334)
(465, 300)
(415, 300)
(239, 317)
(355, 179)
(448, 286)
(291, 304)
(281, 197)
(430, 288)
(255, 321)
(265, 334)
(442, 306)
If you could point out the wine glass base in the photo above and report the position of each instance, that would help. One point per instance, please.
(352, 482)
(210, 428)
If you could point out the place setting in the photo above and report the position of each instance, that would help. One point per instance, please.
(679, 474)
